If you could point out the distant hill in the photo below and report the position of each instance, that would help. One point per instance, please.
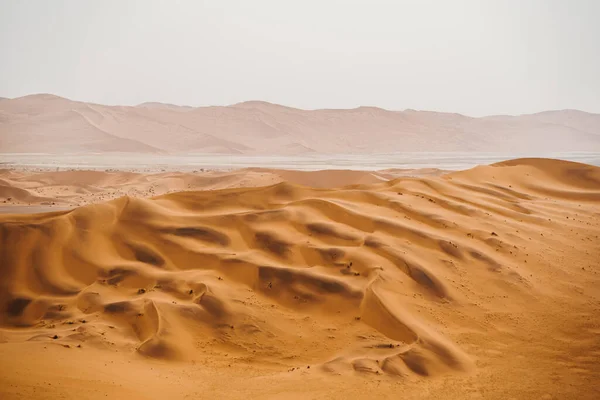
(164, 106)
(52, 124)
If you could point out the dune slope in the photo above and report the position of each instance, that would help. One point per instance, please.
(424, 286)
(79, 187)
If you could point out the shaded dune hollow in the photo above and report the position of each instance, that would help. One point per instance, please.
(363, 279)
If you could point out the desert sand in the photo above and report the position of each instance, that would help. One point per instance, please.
(475, 284)
(65, 189)
(45, 123)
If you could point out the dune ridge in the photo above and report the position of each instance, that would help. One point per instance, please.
(50, 124)
(79, 187)
(410, 279)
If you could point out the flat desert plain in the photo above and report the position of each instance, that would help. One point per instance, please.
(266, 284)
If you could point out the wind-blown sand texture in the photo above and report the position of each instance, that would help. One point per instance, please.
(477, 284)
(79, 187)
(45, 123)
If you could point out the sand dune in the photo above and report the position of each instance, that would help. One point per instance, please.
(79, 187)
(481, 283)
(73, 188)
(51, 124)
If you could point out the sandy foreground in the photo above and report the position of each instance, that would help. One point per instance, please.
(272, 284)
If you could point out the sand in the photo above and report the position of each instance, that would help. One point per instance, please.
(475, 284)
(68, 188)
(44, 123)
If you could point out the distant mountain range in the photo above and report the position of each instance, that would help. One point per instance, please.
(51, 124)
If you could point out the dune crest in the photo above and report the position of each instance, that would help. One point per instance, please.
(412, 278)
(79, 187)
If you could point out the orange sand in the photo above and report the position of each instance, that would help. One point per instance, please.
(79, 187)
(476, 284)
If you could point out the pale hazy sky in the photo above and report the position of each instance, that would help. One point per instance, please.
(473, 57)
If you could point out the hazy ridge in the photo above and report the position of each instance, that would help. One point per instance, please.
(51, 124)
